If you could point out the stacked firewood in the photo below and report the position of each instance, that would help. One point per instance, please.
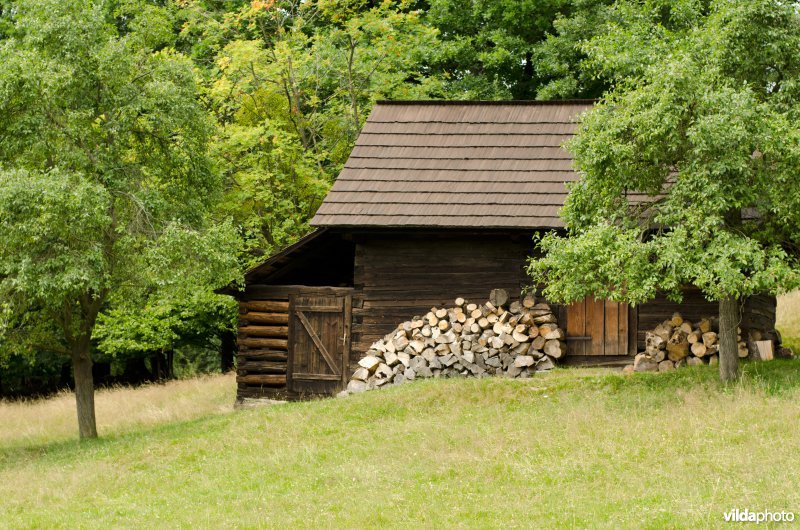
(465, 340)
(677, 342)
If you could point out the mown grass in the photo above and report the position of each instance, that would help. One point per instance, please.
(573, 448)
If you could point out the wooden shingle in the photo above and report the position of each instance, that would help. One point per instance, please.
(456, 164)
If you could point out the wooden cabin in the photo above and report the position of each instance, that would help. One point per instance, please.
(438, 200)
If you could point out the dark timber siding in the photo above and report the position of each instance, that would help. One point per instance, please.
(401, 275)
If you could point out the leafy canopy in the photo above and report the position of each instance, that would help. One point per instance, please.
(105, 182)
(690, 167)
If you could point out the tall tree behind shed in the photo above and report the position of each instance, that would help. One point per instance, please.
(104, 182)
(690, 169)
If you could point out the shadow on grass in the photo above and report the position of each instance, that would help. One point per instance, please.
(775, 378)
(73, 447)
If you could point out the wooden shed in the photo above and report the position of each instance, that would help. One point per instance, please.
(438, 200)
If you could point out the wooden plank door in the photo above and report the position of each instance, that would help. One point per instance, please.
(319, 342)
(597, 327)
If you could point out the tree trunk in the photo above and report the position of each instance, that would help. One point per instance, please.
(728, 345)
(84, 394)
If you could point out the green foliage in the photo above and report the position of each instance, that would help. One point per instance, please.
(107, 186)
(291, 92)
(690, 167)
(488, 47)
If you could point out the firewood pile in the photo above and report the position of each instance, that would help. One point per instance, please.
(465, 340)
(677, 342)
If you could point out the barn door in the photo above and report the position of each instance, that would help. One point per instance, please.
(597, 327)
(319, 343)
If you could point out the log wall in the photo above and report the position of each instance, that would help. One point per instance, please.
(263, 347)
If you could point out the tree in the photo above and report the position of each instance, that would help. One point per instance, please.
(690, 171)
(488, 46)
(291, 93)
(105, 182)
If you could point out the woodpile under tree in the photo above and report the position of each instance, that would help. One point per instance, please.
(678, 342)
(465, 340)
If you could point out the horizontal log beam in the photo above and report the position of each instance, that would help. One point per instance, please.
(266, 380)
(265, 331)
(267, 306)
(278, 344)
(262, 355)
(261, 367)
(253, 317)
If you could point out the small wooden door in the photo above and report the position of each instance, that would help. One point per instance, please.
(319, 342)
(597, 327)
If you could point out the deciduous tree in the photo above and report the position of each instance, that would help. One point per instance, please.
(105, 182)
(690, 168)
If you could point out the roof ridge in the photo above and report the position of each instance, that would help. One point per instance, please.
(484, 101)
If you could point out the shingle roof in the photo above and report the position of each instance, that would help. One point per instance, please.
(456, 164)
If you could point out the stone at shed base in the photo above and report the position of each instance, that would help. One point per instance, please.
(355, 386)
(643, 363)
(666, 366)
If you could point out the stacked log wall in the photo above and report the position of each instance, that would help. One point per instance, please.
(401, 276)
(263, 347)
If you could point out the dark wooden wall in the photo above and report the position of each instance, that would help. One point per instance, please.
(401, 275)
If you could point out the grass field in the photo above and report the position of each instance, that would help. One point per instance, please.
(789, 319)
(585, 448)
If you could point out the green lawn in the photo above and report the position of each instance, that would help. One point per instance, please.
(586, 448)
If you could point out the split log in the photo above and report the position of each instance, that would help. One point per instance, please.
(663, 331)
(710, 338)
(676, 320)
(498, 297)
(555, 348)
(519, 337)
(677, 346)
(432, 319)
(459, 301)
(694, 336)
(704, 325)
(528, 301)
(538, 342)
(654, 341)
(699, 349)
(440, 313)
